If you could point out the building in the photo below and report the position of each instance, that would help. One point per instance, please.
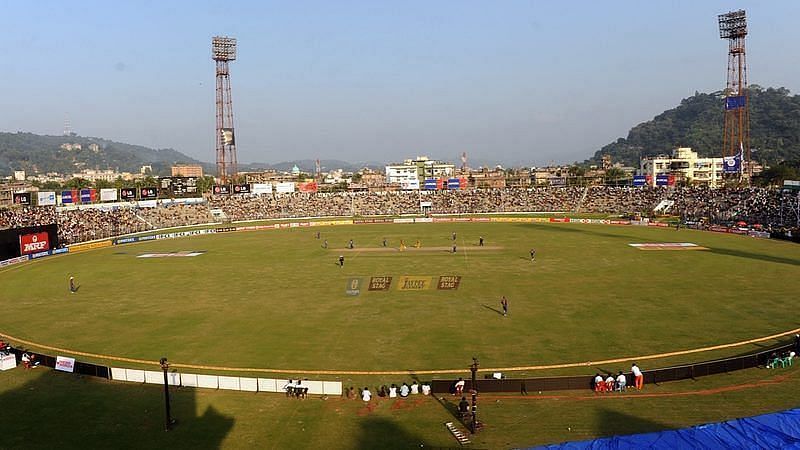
(70, 147)
(685, 167)
(412, 173)
(187, 170)
(373, 180)
(99, 175)
(268, 176)
(487, 179)
(7, 191)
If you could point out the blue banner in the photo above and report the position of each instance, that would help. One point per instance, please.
(86, 196)
(66, 197)
(735, 102)
(430, 184)
(453, 183)
(732, 164)
(639, 180)
(662, 180)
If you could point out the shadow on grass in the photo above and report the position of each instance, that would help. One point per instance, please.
(756, 256)
(492, 309)
(385, 434)
(450, 407)
(59, 410)
(612, 422)
(567, 230)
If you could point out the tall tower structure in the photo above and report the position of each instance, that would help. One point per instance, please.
(223, 50)
(67, 127)
(736, 138)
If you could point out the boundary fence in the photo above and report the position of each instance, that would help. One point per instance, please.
(655, 376)
(577, 382)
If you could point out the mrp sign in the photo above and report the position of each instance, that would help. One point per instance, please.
(33, 243)
(65, 364)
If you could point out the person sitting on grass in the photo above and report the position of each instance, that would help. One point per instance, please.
(426, 389)
(383, 392)
(414, 388)
(366, 395)
(599, 386)
(621, 382)
(610, 383)
(404, 390)
(393, 391)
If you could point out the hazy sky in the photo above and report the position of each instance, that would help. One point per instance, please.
(508, 81)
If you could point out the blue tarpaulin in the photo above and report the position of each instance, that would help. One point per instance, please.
(777, 430)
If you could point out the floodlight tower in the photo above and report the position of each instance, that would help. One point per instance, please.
(223, 49)
(733, 27)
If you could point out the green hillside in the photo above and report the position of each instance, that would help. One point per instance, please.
(37, 153)
(697, 122)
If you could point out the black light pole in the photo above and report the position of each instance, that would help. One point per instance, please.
(168, 421)
(474, 391)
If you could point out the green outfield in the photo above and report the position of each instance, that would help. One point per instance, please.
(277, 299)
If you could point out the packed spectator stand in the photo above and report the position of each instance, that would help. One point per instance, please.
(768, 208)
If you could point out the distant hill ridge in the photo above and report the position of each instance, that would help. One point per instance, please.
(698, 121)
(37, 153)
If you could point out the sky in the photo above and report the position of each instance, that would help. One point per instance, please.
(509, 82)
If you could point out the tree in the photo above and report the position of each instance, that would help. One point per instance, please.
(103, 184)
(205, 183)
(50, 185)
(77, 183)
(613, 175)
(697, 122)
(776, 175)
(147, 181)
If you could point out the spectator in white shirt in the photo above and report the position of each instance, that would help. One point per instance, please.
(621, 382)
(638, 376)
(366, 395)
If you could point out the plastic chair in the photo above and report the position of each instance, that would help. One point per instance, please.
(772, 363)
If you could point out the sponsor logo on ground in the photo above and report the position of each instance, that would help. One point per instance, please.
(668, 246)
(170, 255)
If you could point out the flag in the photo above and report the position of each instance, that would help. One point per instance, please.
(733, 164)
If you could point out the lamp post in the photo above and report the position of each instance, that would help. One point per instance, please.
(474, 391)
(168, 421)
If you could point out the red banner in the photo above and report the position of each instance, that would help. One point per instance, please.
(310, 186)
(33, 243)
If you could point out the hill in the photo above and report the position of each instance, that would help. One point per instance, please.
(37, 153)
(697, 122)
